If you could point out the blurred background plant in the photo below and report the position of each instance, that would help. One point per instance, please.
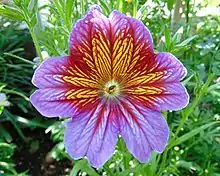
(31, 144)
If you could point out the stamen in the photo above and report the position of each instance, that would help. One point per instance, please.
(111, 89)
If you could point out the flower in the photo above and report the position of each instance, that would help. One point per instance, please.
(111, 84)
(3, 100)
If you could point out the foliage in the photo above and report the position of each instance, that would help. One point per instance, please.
(193, 147)
(6, 165)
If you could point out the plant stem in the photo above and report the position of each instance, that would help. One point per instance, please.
(36, 44)
(16, 93)
(135, 4)
(17, 57)
(120, 5)
(187, 12)
(163, 162)
(27, 19)
(82, 7)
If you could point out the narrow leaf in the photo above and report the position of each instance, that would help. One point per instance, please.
(192, 133)
(105, 6)
(11, 13)
(185, 42)
(167, 37)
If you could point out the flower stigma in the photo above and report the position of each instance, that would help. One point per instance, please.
(111, 89)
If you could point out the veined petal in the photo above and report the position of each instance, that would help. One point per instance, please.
(143, 130)
(132, 43)
(63, 72)
(64, 102)
(50, 71)
(90, 43)
(172, 68)
(158, 86)
(51, 102)
(92, 134)
(111, 47)
(95, 11)
(65, 87)
(166, 96)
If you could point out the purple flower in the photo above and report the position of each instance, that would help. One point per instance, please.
(111, 84)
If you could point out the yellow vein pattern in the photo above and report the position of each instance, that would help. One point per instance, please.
(139, 79)
(81, 93)
(146, 90)
(122, 56)
(102, 56)
(81, 82)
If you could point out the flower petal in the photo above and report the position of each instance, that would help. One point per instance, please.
(49, 72)
(131, 41)
(64, 102)
(90, 43)
(173, 69)
(143, 130)
(52, 102)
(112, 47)
(65, 87)
(158, 86)
(92, 134)
(63, 72)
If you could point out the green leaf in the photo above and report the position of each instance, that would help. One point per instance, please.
(141, 10)
(11, 13)
(185, 42)
(82, 165)
(1, 108)
(33, 20)
(17, 2)
(26, 2)
(185, 82)
(1, 87)
(13, 120)
(4, 134)
(7, 166)
(177, 36)
(69, 10)
(215, 86)
(188, 165)
(105, 6)
(30, 123)
(6, 150)
(120, 5)
(82, 7)
(167, 38)
(190, 134)
(135, 7)
(170, 4)
(32, 6)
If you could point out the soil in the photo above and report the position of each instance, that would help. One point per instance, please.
(38, 162)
